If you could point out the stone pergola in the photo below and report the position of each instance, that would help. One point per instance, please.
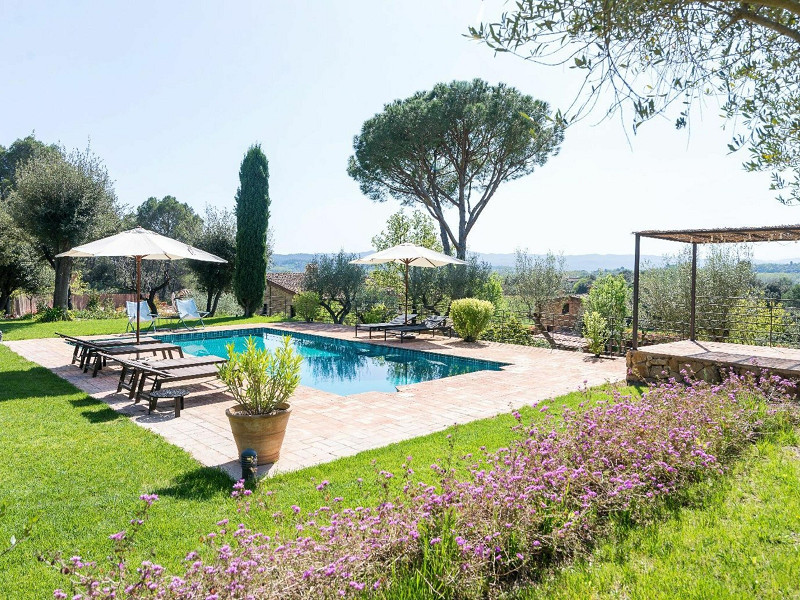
(779, 233)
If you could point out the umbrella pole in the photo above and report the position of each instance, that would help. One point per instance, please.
(406, 315)
(138, 293)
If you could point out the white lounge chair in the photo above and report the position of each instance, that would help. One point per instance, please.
(187, 309)
(145, 316)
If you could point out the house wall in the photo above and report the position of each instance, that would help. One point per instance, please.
(562, 313)
(277, 300)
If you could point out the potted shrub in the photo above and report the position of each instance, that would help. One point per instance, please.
(261, 382)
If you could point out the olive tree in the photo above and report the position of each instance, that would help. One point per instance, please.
(416, 228)
(655, 57)
(218, 237)
(173, 219)
(725, 276)
(534, 281)
(448, 150)
(435, 289)
(337, 283)
(61, 200)
(16, 155)
(20, 267)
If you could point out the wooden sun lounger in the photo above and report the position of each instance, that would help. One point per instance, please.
(101, 354)
(188, 373)
(83, 344)
(132, 369)
(398, 321)
(405, 331)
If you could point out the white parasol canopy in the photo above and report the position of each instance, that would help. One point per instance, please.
(140, 244)
(409, 255)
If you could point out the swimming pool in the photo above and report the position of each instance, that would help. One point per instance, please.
(339, 366)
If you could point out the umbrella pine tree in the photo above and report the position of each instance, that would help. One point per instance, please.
(252, 218)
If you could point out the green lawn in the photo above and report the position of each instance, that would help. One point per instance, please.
(26, 329)
(80, 466)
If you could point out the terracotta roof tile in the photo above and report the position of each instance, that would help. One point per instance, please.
(292, 282)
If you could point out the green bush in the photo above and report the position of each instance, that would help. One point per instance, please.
(470, 317)
(609, 297)
(595, 330)
(228, 306)
(306, 304)
(51, 315)
(98, 308)
(509, 331)
(377, 313)
(493, 291)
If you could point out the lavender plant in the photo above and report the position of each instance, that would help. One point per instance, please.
(519, 510)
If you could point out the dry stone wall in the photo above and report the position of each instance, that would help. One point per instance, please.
(643, 366)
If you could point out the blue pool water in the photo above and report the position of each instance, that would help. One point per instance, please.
(338, 366)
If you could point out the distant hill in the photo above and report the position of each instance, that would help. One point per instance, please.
(574, 262)
(293, 263)
(578, 262)
(773, 267)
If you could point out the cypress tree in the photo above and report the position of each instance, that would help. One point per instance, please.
(252, 218)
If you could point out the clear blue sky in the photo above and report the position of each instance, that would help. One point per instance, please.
(172, 93)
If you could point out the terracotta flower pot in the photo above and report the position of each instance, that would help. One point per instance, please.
(262, 433)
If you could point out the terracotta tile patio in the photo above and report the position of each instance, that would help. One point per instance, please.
(324, 426)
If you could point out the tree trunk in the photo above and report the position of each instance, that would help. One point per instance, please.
(445, 240)
(5, 302)
(346, 306)
(209, 300)
(461, 247)
(151, 296)
(63, 268)
(537, 317)
(213, 310)
(330, 310)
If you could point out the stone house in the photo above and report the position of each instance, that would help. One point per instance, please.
(281, 289)
(562, 312)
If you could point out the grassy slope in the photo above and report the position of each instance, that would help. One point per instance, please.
(81, 467)
(739, 539)
(25, 329)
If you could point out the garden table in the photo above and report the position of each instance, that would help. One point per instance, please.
(177, 393)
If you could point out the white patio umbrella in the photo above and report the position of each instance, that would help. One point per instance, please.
(410, 256)
(140, 244)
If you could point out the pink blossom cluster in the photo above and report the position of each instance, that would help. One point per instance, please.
(497, 519)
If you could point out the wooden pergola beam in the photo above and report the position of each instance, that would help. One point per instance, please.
(726, 235)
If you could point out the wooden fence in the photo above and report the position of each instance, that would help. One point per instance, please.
(23, 305)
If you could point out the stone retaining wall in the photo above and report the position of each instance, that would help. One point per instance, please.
(643, 366)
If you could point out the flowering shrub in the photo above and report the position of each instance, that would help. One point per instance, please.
(259, 379)
(520, 509)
